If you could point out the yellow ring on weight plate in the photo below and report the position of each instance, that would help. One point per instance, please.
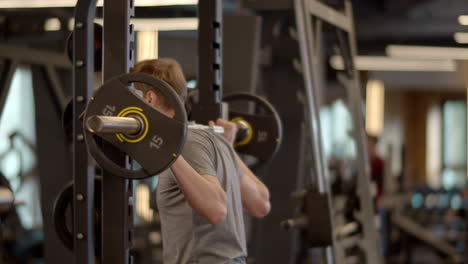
(123, 113)
(249, 134)
(138, 111)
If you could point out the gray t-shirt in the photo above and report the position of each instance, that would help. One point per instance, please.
(188, 237)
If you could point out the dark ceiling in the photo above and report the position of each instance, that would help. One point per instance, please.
(378, 22)
(422, 22)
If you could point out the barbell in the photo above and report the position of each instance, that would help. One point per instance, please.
(120, 117)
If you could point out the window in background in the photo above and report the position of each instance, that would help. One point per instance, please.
(17, 157)
(454, 144)
(192, 84)
(336, 127)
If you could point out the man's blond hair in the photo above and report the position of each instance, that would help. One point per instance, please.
(166, 69)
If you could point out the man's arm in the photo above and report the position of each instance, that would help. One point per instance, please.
(255, 195)
(203, 192)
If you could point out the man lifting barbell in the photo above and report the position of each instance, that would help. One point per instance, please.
(202, 196)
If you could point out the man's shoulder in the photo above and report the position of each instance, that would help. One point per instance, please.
(205, 137)
(199, 136)
(197, 139)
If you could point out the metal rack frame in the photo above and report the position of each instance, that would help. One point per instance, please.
(310, 15)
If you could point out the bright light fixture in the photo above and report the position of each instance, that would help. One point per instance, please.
(156, 24)
(463, 20)
(165, 24)
(380, 63)
(52, 24)
(461, 37)
(425, 52)
(147, 45)
(72, 3)
(375, 99)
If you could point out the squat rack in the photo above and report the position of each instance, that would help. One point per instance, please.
(83, 171)
(116, 194)
(118, 58)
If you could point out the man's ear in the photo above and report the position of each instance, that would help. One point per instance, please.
(150, 97)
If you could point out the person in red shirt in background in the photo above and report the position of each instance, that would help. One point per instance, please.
(376, 168)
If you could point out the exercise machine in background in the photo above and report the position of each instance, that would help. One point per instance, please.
(351, 237)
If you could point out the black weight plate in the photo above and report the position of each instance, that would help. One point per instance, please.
(170, 95)
(67, 120)
(59, 210)
(265, 135)
(267, 129)
(155, 150)
(64, 202)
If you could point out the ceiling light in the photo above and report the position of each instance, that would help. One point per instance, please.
(425, 52)
(157, 24)
(375, 63)
(52, 24)
(165, 24)
(461, 37)
(72, 3)
(463, 20)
